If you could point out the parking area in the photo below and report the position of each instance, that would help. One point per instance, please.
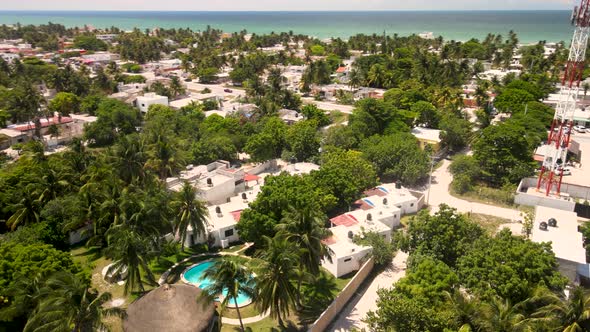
(580, 172)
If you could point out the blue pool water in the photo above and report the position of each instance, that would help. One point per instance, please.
(194, 275)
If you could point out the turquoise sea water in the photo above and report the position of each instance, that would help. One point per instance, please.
(531, 26)
(194, 275)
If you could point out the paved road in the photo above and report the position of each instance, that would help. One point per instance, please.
(439, 193)
(366, 297)
(328, 106)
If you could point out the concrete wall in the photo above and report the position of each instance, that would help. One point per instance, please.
(219, 235)
(220, 192)
(144, 103)
(523, 198)
(80, 234)
(573, 190)
(534, 200)
(420, 196)
(344, 265)
(262, 167)
(323, 322)
(407, 207)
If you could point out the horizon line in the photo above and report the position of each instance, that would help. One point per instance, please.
(279, 11)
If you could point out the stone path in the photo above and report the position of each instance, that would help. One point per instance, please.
(249, 320)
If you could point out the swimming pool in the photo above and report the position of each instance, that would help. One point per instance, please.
(194, 275)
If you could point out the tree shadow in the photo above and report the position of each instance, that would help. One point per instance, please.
(91, 253)
(318, 296)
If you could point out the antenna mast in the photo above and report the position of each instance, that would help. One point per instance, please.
(561, 127)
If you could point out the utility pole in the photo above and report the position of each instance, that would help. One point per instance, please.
(430, 178)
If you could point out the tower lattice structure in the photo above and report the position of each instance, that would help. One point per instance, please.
(558, 140)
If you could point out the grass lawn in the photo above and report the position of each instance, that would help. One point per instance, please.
(406, 219)
(247, 311)
(489, 223)
(342, 282)
(267, 324)
(92, 260)
(475, 197)
(338, 117)
(295, 322)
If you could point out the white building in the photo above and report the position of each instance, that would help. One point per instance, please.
(566, 241)
(379, 211)
(9, 57)
(217, 182)
(222, 220)
(301, 168)
(289, 116)
(107, 37)
(144, 102)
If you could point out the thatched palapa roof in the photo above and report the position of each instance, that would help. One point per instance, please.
(171, 308)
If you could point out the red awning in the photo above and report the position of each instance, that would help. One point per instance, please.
(250, 177)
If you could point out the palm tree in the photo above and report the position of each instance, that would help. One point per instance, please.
(469, 311)
(27, 210)
(25, 291)
(190, 213)
(230, 276)
(164, 158)
(481, 96)
(130, 252)
(275, 270)
(68, 305)
(128, 158)
(55, 183)
(304, 227)
(176, 87)
(572, 314)
(355, 79)
(503, 316)
(376, 75)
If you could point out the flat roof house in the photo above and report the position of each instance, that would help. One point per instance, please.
(379, 211)
(222, 221)
(144, 102)
(217, 182)
(427, 136)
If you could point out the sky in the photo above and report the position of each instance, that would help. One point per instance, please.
(285, 5)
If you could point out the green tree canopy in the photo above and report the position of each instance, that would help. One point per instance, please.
(509, 266)
(428, 280)
(396, 157)
(512, 100)
(345, 174)
(303, 140)
(450, 235)
(271, 204)
(90, 43)
(504, 154)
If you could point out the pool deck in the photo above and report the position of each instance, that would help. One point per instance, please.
(230, 321)
(249, 320)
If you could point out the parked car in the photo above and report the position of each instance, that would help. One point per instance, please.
(566, 171)
(580, 129)
(228, 90)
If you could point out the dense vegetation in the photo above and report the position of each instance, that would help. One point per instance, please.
(464, 279)
(112, 180)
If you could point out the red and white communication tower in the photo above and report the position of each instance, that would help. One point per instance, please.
(561, 127)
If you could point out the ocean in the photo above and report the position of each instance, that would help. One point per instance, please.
(531, 26)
